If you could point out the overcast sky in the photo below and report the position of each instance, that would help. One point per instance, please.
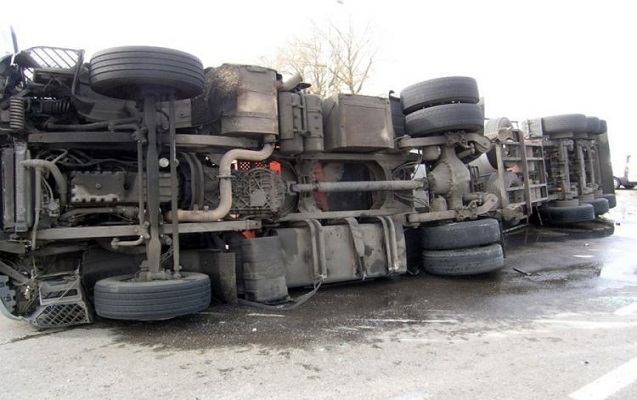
(530, 58)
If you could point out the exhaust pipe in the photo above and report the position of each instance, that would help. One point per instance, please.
(225, 186)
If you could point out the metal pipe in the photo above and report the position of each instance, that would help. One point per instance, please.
(57, 175)
(225, 186)
(140, 192)
(291, 83)
(91, 126)
(37, 208)
(9, 271)
(122, 210)
(153, 246)
(115, 243)
(173, 185)
(358, 186)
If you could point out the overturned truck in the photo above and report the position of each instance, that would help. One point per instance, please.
(138, 184)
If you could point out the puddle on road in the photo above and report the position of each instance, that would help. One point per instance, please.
(618, 273)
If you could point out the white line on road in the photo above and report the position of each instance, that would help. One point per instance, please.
(628, 310)
(608, 384)
(266, 315)
(589, 324)
(407, 321)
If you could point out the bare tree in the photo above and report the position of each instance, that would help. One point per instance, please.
(332, 61)
(351, 58)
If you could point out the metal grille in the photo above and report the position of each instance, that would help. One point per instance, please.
(258, 191)
(248, 165)
(61, 315)
(50, 58)
(53, 57)
(62, 303)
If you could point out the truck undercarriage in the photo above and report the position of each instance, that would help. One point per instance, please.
(138, 185)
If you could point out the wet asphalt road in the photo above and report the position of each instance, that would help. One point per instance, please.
(559, 321)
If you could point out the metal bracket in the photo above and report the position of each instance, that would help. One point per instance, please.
(359, 244)
(318, 248)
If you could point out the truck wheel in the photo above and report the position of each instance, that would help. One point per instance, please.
(575, 123)
(566, 203)
(493, 126)
(593, 125)
(511, 180)
(612, 199)
(454, 89)
(600, 205)
(119, 297)
(459, 235)
(571, 215)
(121, 71)
(447, 117)
(602, 126)
(629, 186)
(462, 262)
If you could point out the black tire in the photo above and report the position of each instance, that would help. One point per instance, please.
(511, 180)
(603, 128)
(463, 262)
(121, 72)
(454, 89)
(612, 199)
(575, 123)
(492, 127)
(629, 186)
(397, 117)
(566, 203)
(445, 118)
(459, 235)
(571, 215)
(593, 125)
(600, 205)
(119, 298)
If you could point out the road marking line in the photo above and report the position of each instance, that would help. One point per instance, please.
(266, 315)
(588, 324)
(406, 321)
(628, 310)
(609, 384)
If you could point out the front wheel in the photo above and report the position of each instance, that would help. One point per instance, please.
(121, 297)
(121, 72)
